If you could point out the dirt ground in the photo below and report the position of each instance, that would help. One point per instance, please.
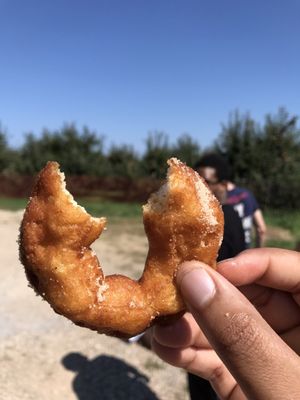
(44, 356)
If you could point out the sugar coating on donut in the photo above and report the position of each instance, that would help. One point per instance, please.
(205, 198)
(158, 201)
(101, 290)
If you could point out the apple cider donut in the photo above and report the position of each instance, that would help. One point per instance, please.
(183, 221)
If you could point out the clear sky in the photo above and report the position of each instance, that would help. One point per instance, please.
(128, 67)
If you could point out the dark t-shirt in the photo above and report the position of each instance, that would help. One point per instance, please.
(245, 205)
(233, 238)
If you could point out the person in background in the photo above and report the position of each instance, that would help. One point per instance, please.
(247, 207)
(233, 237)
(241, 199)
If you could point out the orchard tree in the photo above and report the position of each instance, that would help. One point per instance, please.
(265, 159)
(187, 149)
(279, 164)
(158, 151)
(238, 144)
(4, 152)
(123, 161)
(77, 152)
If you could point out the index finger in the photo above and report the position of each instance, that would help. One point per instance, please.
(274, 268)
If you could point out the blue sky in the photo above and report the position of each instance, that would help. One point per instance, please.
(125, 68)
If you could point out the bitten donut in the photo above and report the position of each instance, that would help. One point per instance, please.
(183, 221)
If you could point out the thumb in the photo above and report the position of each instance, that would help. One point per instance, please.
(263, 365)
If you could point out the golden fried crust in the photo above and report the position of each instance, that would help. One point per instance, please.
(183, 221)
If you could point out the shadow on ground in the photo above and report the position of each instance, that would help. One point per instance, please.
(107, 378)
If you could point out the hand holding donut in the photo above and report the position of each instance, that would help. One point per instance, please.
(183, 221)
(247, 341)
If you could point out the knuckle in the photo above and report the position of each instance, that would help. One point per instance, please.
(217, 373)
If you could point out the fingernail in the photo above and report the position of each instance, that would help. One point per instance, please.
(230, 261)
(226, 260)
(197, 287)
(225, 264)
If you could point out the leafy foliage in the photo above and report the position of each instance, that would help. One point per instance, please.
(158, 150)
(4, 152)
(123, 161)
(7, 155)
(77, 152)
(187, 149)
(264, 158)
(238, 143)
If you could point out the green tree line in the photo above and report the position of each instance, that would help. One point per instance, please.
(82, 152)
(263, 157)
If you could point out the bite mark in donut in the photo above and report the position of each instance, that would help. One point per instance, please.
(183, 221)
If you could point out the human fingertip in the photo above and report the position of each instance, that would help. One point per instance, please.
(186, 267)
(196, 285)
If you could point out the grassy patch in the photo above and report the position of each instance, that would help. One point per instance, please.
(12, 204)
(282, 244)
(94, 206)
(105, 208)
(97, 207)
(286, 219)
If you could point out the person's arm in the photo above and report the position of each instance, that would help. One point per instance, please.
(247, 351)
(260, 228)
